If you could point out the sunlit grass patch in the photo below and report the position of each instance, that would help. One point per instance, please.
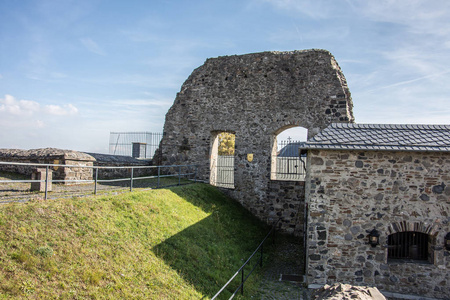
(178, 243)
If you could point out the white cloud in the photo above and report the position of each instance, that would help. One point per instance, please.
(92, 46)
(57, 110)
(12, 108)
(40, 124)
(9, 105)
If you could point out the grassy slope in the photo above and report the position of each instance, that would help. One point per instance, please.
(178, 243)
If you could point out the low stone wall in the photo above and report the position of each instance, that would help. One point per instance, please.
(106, 160)
(286, 200)
(49, 156)
(353, 192)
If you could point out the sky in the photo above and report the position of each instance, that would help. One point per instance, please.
(72, 71)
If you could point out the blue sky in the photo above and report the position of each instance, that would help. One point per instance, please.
(71, 71)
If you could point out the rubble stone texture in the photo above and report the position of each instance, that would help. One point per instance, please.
(339, 291)
(49, 156)
(353, 192)
(256, 96)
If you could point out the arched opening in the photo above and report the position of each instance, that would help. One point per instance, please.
(222, 159)
(287, 163)
(408, 246)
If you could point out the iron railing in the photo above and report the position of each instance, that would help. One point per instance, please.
(289, 165)
(241, 269)
(183, 174)
(408, 245)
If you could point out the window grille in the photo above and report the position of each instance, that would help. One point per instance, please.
(408, 245)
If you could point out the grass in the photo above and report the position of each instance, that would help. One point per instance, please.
(179, 243)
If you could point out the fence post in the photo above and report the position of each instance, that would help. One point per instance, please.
(159, 173)
(242, 282)
(261, 258)
(95, 183)
(179, 175)
(131, 179)
(46, 181)
(195, 174)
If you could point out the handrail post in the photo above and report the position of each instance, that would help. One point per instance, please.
(46, 181)
(159, 174)
(179, 175)
(195, 174)
(261, 258)
(131, 179)
(242, 282)
(95, 182)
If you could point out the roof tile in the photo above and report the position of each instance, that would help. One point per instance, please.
(406, 137)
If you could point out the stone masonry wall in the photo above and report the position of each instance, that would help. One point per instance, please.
(255, 96)
(287, 201)
(49, 156)
(107, 160)
(352, 192)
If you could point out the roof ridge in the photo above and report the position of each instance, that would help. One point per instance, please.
(391, 126)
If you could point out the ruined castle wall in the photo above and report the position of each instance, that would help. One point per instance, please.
(255, 96)
(353, 192)
(49, 156)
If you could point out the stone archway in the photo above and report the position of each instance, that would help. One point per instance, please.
(253, 96)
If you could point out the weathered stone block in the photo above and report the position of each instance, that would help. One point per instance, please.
(39, 175)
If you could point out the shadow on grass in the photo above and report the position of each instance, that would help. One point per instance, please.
(209, 252)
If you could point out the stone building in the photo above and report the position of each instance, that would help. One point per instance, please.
(391, 178)
(255, 97)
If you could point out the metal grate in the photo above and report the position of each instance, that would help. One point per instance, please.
(408, 245)
(289, 165)
(135, 144)
(225, 171)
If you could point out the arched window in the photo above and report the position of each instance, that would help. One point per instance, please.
(287, 163)
(408, 245)
(222, 159)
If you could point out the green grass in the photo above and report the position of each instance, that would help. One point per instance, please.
(178, 243)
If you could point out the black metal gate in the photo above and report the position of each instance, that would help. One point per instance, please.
(289, 164)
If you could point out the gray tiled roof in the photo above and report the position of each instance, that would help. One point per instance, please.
(393, 137)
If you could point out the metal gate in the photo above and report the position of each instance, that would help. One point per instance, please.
(289, 164)
(225, 171)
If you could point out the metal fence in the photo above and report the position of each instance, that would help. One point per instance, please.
(225, 171)
(289, 164)
(17, 187)
(135, 144)
(241, 270)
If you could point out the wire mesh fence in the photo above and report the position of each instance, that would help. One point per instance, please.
(135, 144)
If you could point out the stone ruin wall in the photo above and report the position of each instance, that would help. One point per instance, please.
(255, 96)
(108, 160)
(352, 192)
(49, 156)
(74, 158)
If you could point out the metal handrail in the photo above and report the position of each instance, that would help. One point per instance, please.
(241, 269)
(96, 168)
